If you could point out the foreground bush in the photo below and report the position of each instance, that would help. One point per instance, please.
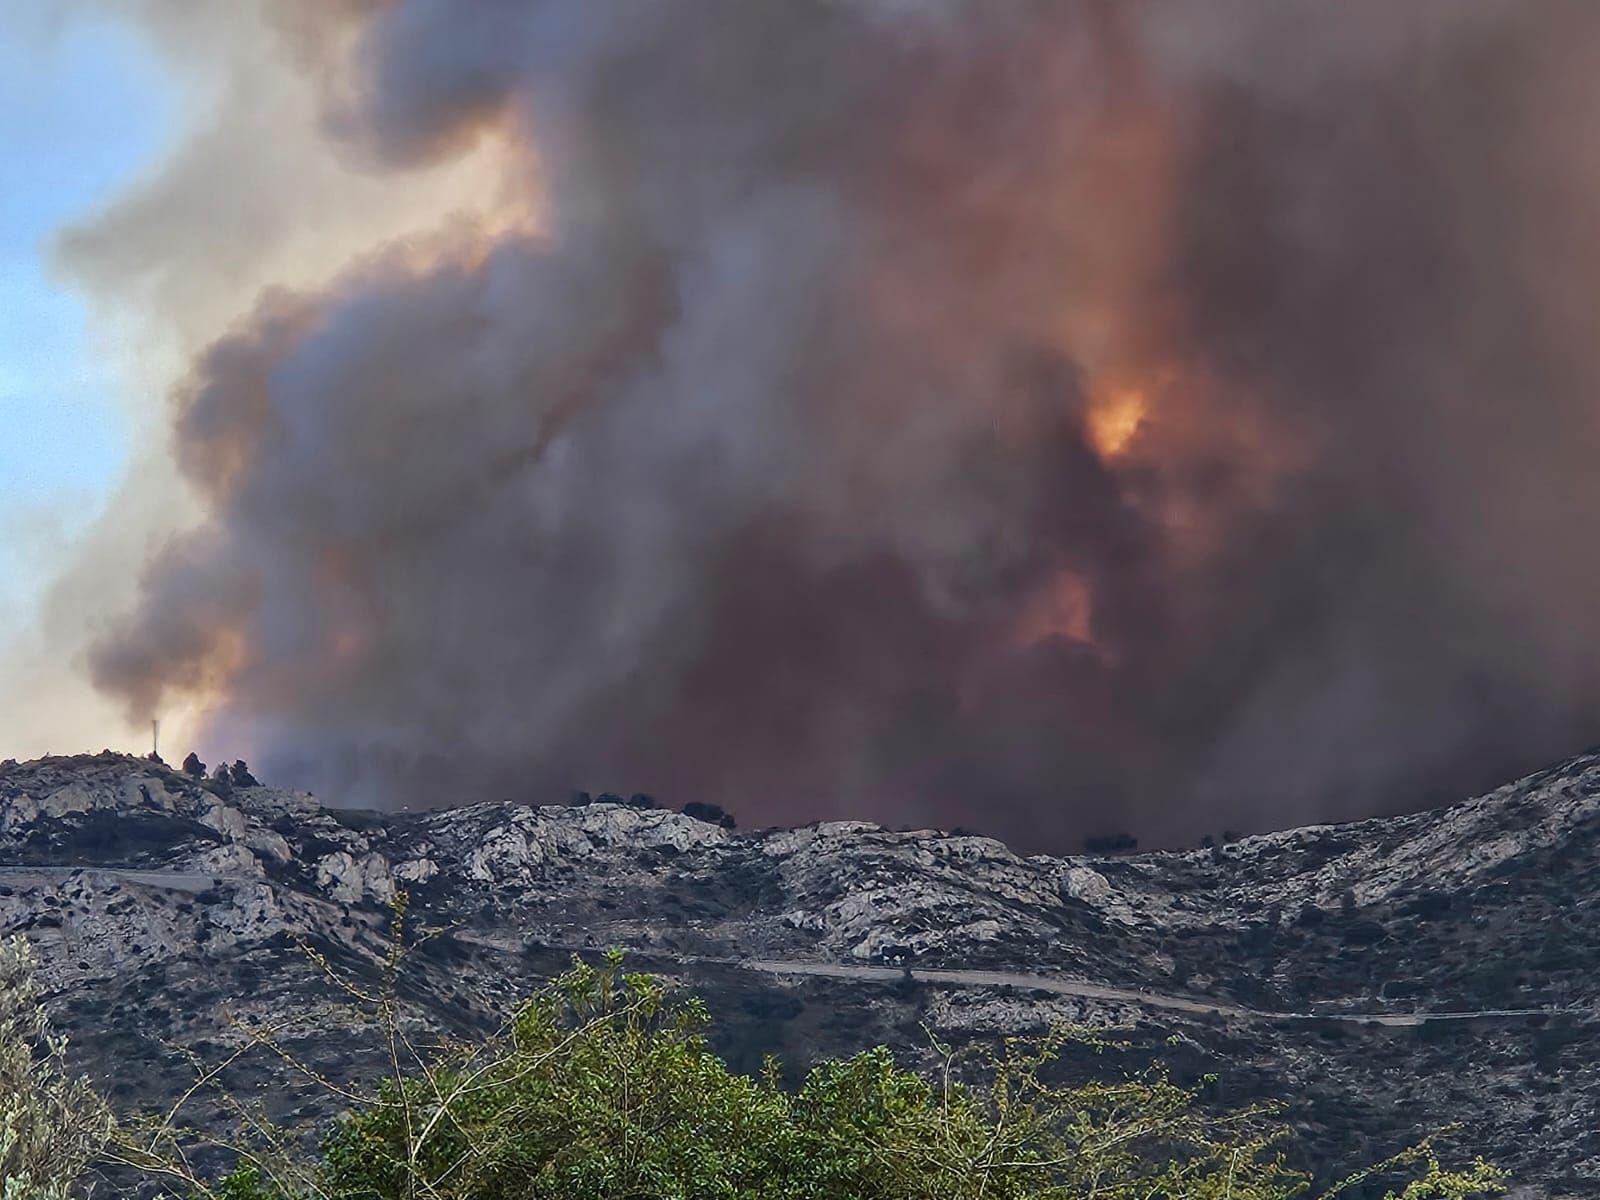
(51, 1125)
(603, 1088)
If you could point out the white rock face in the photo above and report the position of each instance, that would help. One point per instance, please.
(516, 850)
(17, 813)
(231, 861)
(351, 880)
(418, 870)
(1087, 884)
(267, 843)
(226, 820)
(250, 835)
(510, 853)
(74, 798)
(147, 791)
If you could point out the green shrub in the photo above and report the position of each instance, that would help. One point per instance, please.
(604, 1088)
(51, 1125)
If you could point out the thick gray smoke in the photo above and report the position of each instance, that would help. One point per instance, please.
(1047, 417)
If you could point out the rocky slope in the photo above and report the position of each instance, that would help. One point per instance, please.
(173, 913)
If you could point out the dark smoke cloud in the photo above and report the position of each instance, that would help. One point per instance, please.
(769, 473)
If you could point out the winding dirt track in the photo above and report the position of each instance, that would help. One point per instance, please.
(1098, 991)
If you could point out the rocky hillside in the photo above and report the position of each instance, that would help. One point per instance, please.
(1385, 978)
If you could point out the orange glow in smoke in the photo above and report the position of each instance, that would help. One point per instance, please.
(1114, 421)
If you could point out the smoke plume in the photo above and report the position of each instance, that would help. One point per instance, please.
(1046, 416)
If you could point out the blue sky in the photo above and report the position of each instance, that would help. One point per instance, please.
(84, 108)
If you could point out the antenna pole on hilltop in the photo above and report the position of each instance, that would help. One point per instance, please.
(155, 738)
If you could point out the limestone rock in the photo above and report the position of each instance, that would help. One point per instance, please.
(351, 880)
(163, 912)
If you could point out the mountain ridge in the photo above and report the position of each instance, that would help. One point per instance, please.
(164, 907)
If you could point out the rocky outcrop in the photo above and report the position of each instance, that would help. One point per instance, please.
(169, 910)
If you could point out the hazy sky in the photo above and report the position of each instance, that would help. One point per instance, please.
(164, 166)
(84, 108)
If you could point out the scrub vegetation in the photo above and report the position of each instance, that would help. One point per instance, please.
(603, 1086)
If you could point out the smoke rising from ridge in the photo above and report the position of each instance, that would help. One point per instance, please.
(1047, 417)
